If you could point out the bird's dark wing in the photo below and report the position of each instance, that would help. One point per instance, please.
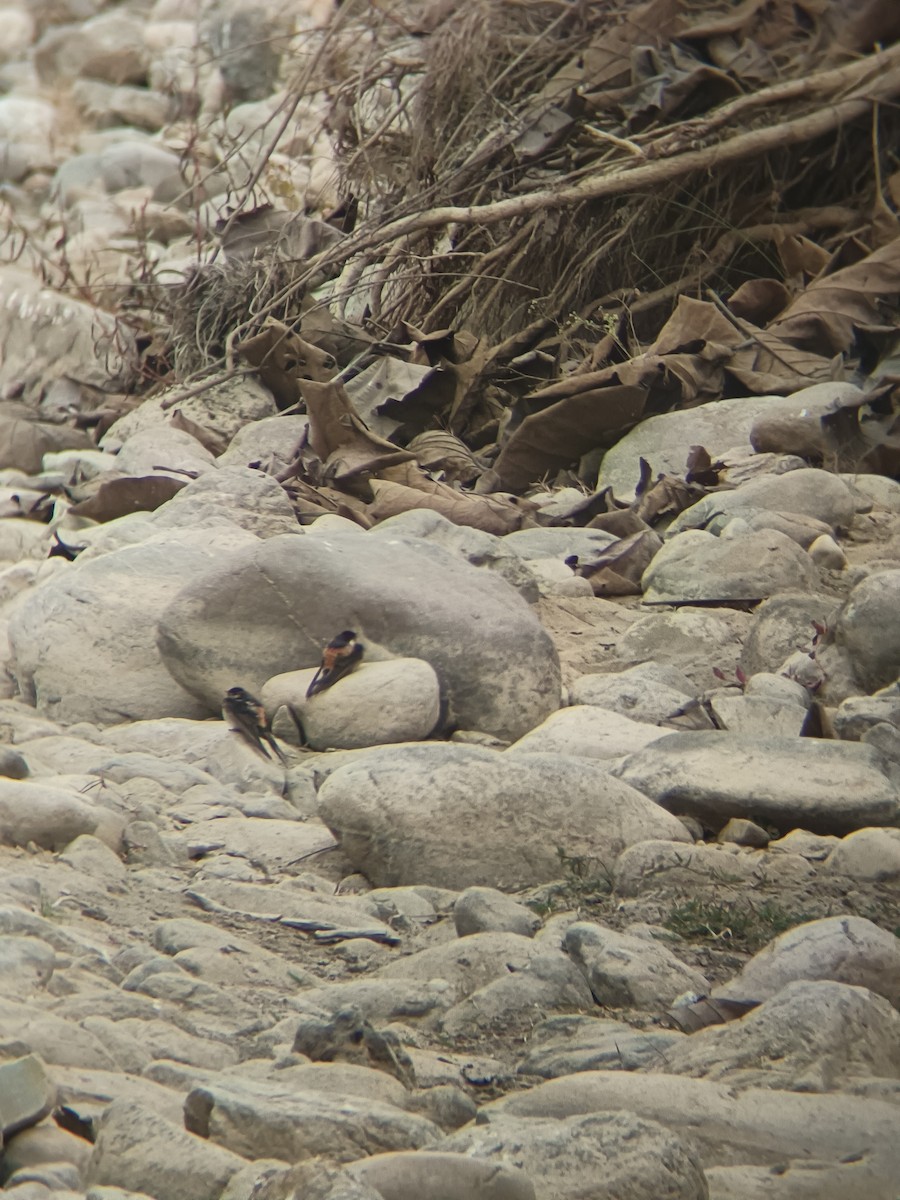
(246, 725)
(334, 667)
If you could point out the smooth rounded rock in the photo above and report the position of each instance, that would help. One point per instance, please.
(483, 909)
(867, 856)
(695, 565)
(440, 1175)
(102, 663)
(633, 1157)
(808, 492)
(397, 700)
(845, 949)
(275, 605)
(868, 629)
(442, 815)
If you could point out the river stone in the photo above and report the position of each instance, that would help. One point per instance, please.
(628, 971)
(102, 664)
(406, 815)
(587, 731)
(696, 565)
(812, 1036)
(484, 909)
(398, 700)
(868, 629)
(49, 816)
(26, 1094)
(823, 786)
(565, 1045)
(635, 1159)
(869, 855)
(808, 492)
(695, 641)
(440, 1175)
(274, 606)
(45, 335)
(477, 547)
(267, 1119)
(647, 692)
(845, 949)
(127, 1154)
(752, 1125)
(665, 440)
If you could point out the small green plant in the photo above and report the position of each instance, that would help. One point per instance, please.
(746, 924)
(585, 874)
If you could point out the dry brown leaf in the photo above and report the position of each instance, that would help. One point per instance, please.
(606, 63)
(759, 300)
(766, 365)
(826, 317)
(801, 256)
(691, 1018)
(618, 570)
(208, 438)
(492, 514)
(694, 321)
(340, 439)
(282, 359)
(549, 440)
(127, 494)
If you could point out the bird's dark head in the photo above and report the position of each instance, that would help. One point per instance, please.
(235, 693)
(345, 637)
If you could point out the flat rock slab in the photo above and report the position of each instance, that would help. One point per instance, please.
(567, 1045)
(823, 786)
(277, 845)
(460, 816)
(278, 602)
(757, 1125)
(262, 1119)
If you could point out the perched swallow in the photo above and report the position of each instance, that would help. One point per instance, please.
(248, 718)
(338, 658)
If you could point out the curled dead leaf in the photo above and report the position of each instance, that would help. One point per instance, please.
(492, 514)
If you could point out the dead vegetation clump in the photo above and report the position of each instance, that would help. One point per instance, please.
(560, 218)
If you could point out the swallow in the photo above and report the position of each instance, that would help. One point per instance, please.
(339, 657)
(248, 718)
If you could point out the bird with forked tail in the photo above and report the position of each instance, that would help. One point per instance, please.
(248, 718)
(339, 657)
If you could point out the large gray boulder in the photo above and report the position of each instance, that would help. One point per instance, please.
(272, 607)
(444, 815)
(84, 643)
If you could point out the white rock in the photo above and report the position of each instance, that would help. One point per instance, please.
(397, 700)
